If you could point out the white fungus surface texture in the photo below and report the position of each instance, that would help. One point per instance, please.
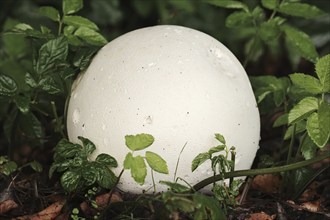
(178, 84)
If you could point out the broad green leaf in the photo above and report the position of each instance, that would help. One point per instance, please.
(66, 149)
(78, 21)
(31, 126)
(306, 82)
(281, 120)
(138, 169)
(139, 141)
(71, 6)
(8, 168)
(228, 4)
(49, 12)
(36, 166)
(8, 86)
(156, 162)
(308, 148)
(300, 127)
(23, 27)
(90, 173)
(302, 42)
(324, 119)
(23, 103)
(300, 10)
(216, 149)
(220, 138)
(30, 80)
(238, 19)
(303, 109)
(314, 129)
(175, 187)
(269, 31)
(211, 205)
(270, 4)
(88, 146)
(70, 180)
(106, 160)
(90, 36)
(50, 53)
(322, 69)
(106, 178)
(198, 160)
(128, 161)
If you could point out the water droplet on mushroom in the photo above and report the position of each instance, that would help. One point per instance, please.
(229, 74)
(76, 116)
(151, 64)
(148, 120)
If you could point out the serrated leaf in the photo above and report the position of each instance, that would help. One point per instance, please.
(308, 148)
(156, 162)
(302, 42)
(139, 141)
(138, 169)
(322, 69)
(88, 146)
(8, 86)
(220, 138)
(90, 36)
(36, 166)
(198, 160)
(228, 4)
(70, 180)
(49, 12)
(71, 6)
(303, 109)
(238, 19)
(300, 10)
(106, 160)
(309, 83)
(319, 136)
(281, 120)
(50, 53)
(78, 21)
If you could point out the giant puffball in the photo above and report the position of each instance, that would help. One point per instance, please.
(178, 84)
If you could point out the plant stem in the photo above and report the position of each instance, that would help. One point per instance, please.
(58, 123)
(288, 158)
(253, 172)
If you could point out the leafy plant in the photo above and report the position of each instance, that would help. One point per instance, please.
(137, 164)
(78, 170)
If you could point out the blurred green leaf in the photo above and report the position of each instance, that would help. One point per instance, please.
(8, 168)
(228, 4)
(309, 83)
(78, 21)
(156, 162)
(210, 205)
(90, 36)
(8, 86)
(269, 31)
(49, 12)
(270, 4)
(175, 187)
(36, 166)
(71, 6)
(239, 19)
(303, 109)
(300, 10)
(308, 148)
(23, 103)
(31, 126)
(302, 42)
(281, 120)
(322, 69)
(139, 141)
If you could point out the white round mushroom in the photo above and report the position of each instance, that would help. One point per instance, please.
(178, 84)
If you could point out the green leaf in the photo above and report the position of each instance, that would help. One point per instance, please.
(303, 109)
(8, 86)
(300, 10)
(228, 4)
(270, 4)
(302, 42)
(90, 173)
(138, 169)
(78, 21)
(128, 161)
(31, 126)
(8, 168)
(308, 148)
(281, 120)
(156, 162)
(216, 149)
(175, 187)
(49, 12)
(90, 36)
(309, 83)
(314, 125)
(220, 138)
(269, 31)
(50, 53)
(66, 149)
(300, 127)
(83, 57)
(210, 205)
(106, 178)
(238, 19)
(106, 160)
(183, 204)
(88, 146)
(322, 69)
(198, 160)
(71, 6)
(70, 180)
(23, 103)
(36, 166)
(139, 141)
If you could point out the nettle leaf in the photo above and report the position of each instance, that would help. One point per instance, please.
(139, 141)
(319, 130)
(238, 19)
(138, 169)
(322, 69)
(88, 146)
(78, 21)
(106, 160)
(229, 4)
(8, 86)
(49, 12)
(302, 42)
(156, 162)
(281, 120)
(309, 83)
(300, 10)
(71, 6)
(90, 36)
(50, 53)
(198, 160)
(220, 138)
(303, 109)
(70, 180)
(308, 148)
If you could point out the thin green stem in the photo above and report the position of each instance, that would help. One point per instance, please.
(300, 146)
(291, 144)
(253, 172)
(57, 119)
